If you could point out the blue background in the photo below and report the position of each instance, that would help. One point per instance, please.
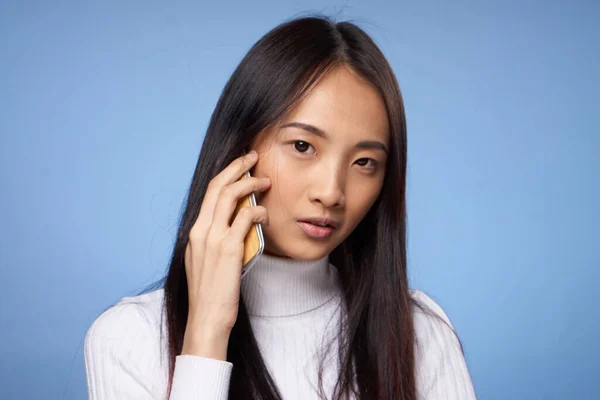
(103, 111)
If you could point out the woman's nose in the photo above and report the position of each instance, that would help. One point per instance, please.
(328, 189)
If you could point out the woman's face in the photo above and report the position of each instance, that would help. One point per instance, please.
(326, 158)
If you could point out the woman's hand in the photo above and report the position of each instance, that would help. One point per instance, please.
(213, 258)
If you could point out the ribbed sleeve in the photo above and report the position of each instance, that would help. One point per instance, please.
(200, 378)
(124, 360)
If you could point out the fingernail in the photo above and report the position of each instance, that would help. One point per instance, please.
(252, 154)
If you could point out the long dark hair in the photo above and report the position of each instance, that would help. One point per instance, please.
(376, 353)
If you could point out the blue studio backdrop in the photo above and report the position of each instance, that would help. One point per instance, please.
(103, 108)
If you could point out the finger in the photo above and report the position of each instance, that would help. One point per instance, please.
(235, 169)
(247, 217)
(232, 247)
(229, 199)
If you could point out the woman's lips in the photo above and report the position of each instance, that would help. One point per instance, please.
(315, 231)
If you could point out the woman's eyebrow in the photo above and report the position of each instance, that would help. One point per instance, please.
(365, 144)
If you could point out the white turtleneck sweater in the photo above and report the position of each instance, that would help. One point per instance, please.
(293, 309)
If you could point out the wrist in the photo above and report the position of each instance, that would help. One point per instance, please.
(208, 343)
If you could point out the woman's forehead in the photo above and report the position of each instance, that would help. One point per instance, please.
(343, 106)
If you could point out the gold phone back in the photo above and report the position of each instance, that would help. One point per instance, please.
(253, 243)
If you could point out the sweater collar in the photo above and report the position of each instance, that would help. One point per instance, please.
(279, 287)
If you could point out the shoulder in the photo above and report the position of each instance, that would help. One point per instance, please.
(435, 336)
(423, 308)
(440, 365)
(125, 348)
(129, 321)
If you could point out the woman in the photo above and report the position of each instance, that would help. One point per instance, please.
(326, 312)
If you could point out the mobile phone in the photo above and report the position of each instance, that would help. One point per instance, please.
(254, 243)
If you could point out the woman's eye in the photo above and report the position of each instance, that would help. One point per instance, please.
(301, 146)
(363, 162)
